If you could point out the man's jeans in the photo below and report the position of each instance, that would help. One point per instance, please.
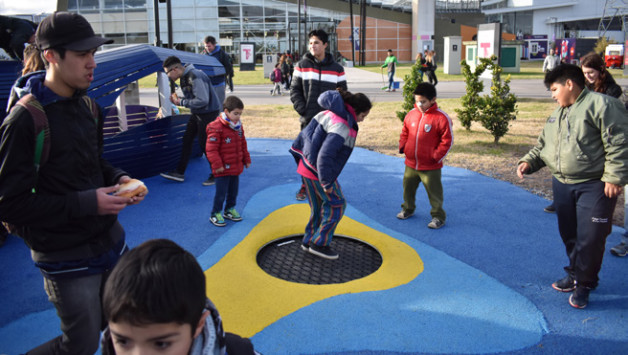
(78, 304)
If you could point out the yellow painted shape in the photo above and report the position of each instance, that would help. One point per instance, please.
(249, 299)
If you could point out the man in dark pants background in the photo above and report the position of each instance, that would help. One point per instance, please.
(585, 145)
(316, 73)
(201, 99)
(219, 82)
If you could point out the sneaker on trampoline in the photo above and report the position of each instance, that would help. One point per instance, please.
(217, 220)
(566, 284)
(210, 181)
(435, 223)
(580, 297)
(174, 176)
(404, 214)
(620, 249)
(301, 195)
(233, 215)
(324, 252)
(305, 247)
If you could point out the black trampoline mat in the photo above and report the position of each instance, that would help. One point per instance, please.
(283, 258)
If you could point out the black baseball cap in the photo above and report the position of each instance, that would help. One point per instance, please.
(68, 30)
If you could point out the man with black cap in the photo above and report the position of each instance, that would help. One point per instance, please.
(65, 207)
(14, 32)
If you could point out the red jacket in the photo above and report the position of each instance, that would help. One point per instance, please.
(426, 138)
(226, 148)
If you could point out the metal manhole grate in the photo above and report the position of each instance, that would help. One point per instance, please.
(283, 258)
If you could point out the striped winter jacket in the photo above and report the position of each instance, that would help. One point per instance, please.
(312, 78)
(327, 142)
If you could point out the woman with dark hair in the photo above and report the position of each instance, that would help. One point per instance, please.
(598, 79)
(321, 151)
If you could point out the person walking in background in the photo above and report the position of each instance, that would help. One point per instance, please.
(14, 32)
(321, 151)
(551, 61)
(65, 207)
(219, 81)
(227, 152)
(285, 71)
(420, 60)
(429, 127)
(200, 97)
(597, 79)
(583, 145)
(430, 67)
(276, 79)
(316, 73)
(391, 65)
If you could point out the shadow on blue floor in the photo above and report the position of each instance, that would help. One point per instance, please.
(485, 287)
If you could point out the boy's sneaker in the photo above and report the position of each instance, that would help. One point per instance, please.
(404, 214)
(174, 176)
(324, 252)
(566, 284)
(580, 297)
(210, 181)
(435, 223)
(620, 249)
(217, 220)
(301, 195)
(233, 215)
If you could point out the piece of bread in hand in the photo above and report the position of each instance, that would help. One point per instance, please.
(131, 188)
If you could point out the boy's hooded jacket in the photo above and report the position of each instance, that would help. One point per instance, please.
(61, 218)
(426, 138)
(226, 147)
(324, 146)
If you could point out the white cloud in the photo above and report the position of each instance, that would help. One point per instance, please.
(27, 7)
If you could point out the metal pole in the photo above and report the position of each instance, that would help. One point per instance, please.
(157, 34)
(299, 44)
(352, 32)
(169, 13)
(305, 38)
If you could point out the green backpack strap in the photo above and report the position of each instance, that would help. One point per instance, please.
(42, 129)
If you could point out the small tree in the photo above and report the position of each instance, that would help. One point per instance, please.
(500, 107)
(471, 101)
(410, 82)
(600, 45)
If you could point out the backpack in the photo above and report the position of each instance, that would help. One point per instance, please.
(272, 76)
(42, 137)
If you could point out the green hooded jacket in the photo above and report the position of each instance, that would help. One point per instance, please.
(583, 142)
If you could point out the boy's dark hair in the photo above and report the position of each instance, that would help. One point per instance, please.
(170, 61)
(60, 51)
(359, 102)
(156, 282)
(210, 39)
(322, 35)
(564, 72)
(233, 102)
(390, 50)
(426, 90)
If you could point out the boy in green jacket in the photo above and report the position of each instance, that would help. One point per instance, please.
(390, 63)
(584, 144)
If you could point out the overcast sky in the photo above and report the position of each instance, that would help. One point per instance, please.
(12, 7)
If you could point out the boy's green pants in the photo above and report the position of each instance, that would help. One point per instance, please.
(433, 186)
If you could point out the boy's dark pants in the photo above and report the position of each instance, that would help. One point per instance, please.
(197, 127)
(433, 186)
(585, 217)
(226, 187)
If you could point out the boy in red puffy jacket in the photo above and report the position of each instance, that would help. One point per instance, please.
(227, 153)
(426, 138)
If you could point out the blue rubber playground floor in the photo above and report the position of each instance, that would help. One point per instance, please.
(481, 284)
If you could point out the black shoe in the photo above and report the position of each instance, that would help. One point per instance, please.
(550, 208)
(324, 252)
(210, 181)
(305, 247)
(620, 250)
(301, 195)
(580, 297)
(174, 176)
(566, 284)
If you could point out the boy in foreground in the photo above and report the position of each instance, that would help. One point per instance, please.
(426, 138)
(584, 145)
(155, 302)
